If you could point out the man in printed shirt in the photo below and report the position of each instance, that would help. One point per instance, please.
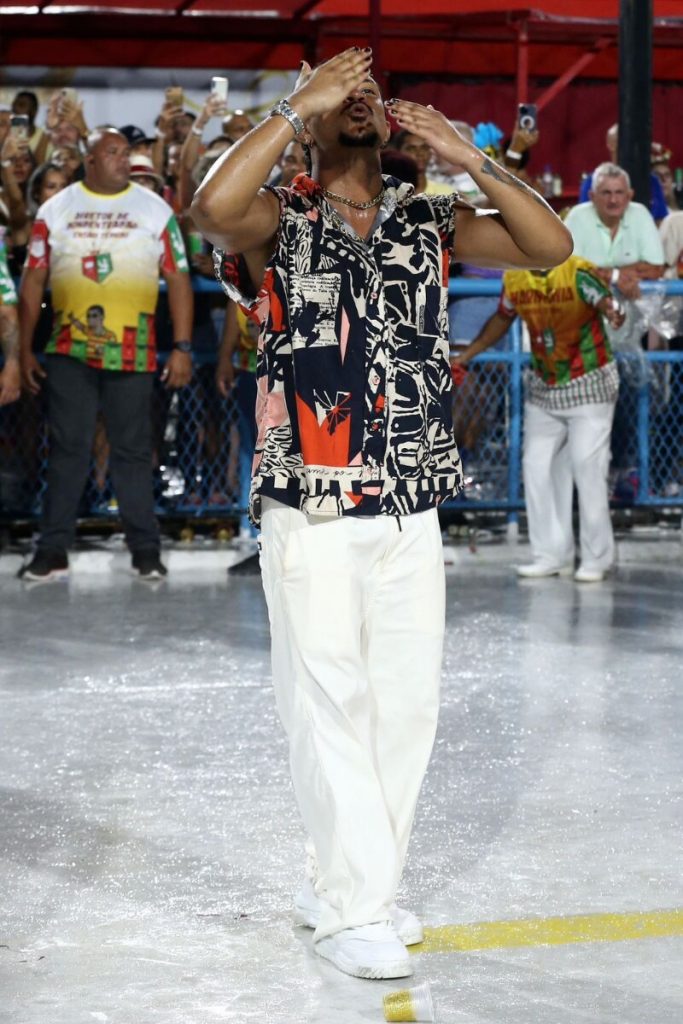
(9, 334)
(347, 273)
(569, 410)
(102, 243)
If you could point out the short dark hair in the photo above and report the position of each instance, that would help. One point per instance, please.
(399, 165)
(29, 95)
(95, 309)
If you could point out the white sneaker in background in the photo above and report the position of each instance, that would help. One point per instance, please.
(589, 575)
(371, 951)
(536, 570)
(307, 907)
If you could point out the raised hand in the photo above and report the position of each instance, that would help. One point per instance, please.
(432, 126)
(12, 147)
(321, 89)
(168, 115)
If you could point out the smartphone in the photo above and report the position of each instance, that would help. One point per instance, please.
(19, 126)
(174, 95)
(527, 116)
(219, 87)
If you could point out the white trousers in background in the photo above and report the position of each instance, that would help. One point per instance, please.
(357, 613)
(563, 448)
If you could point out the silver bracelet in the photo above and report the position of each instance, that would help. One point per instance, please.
(284, 109)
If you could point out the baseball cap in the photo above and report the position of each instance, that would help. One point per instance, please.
(135, 135)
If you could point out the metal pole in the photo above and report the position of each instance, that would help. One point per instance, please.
(522, 62)
(635, 93)
(376, 38)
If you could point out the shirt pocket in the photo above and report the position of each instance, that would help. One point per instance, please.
(315, 310)
(431, 311)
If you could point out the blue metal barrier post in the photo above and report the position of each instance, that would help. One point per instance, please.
(643, 439)
(515, 436)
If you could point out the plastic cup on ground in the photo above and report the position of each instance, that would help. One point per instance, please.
(410, 1004)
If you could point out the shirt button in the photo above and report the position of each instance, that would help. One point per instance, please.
(374, 295)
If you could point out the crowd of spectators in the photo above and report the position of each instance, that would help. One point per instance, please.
(43, 153)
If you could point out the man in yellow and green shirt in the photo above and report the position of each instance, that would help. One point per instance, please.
(570, 399)
(102, 244)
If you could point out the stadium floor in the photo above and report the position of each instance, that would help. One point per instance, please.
(150, 846)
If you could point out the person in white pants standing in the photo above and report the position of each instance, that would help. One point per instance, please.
(568, 412)
(345, 273)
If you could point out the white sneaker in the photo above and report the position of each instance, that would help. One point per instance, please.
(583, 575)
(371, 951)
(535, 570)
(307, 907)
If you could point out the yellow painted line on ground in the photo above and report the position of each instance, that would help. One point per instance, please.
(551, 931)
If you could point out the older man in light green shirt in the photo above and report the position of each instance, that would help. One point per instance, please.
(616, 234)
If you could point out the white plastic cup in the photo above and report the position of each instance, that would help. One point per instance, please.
(409, 1004)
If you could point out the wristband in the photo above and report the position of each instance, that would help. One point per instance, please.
(614, 278)
(6, 163)
(183, 346)
(513, 155)
(197, 131)
(284, 109)
(160, 133)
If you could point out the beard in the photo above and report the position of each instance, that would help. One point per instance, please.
(368, 140)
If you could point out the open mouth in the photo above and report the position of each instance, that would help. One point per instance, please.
(358, 112)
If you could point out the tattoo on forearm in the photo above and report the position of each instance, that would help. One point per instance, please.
(505, 178)
(9, 336)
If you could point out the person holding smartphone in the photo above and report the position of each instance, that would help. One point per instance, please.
(25, 104)
(523, 139)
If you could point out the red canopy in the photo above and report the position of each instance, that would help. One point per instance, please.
(482, 38)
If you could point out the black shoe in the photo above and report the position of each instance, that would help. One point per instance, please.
(46, 564)
(149, 565)
(250, 566)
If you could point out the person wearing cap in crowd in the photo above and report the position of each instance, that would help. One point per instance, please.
(140, 143)
(345, 272)
(142, 172)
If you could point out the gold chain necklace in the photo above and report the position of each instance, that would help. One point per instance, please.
(352, 202)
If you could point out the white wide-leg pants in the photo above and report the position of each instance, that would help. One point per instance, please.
(357, 613)
(563, 448)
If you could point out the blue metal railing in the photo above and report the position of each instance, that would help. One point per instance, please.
(653, 477)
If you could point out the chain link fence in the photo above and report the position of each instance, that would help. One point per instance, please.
(203, 442)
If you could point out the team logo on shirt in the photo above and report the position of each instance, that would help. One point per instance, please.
(97, 267)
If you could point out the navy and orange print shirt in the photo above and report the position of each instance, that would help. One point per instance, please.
(354, 387)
